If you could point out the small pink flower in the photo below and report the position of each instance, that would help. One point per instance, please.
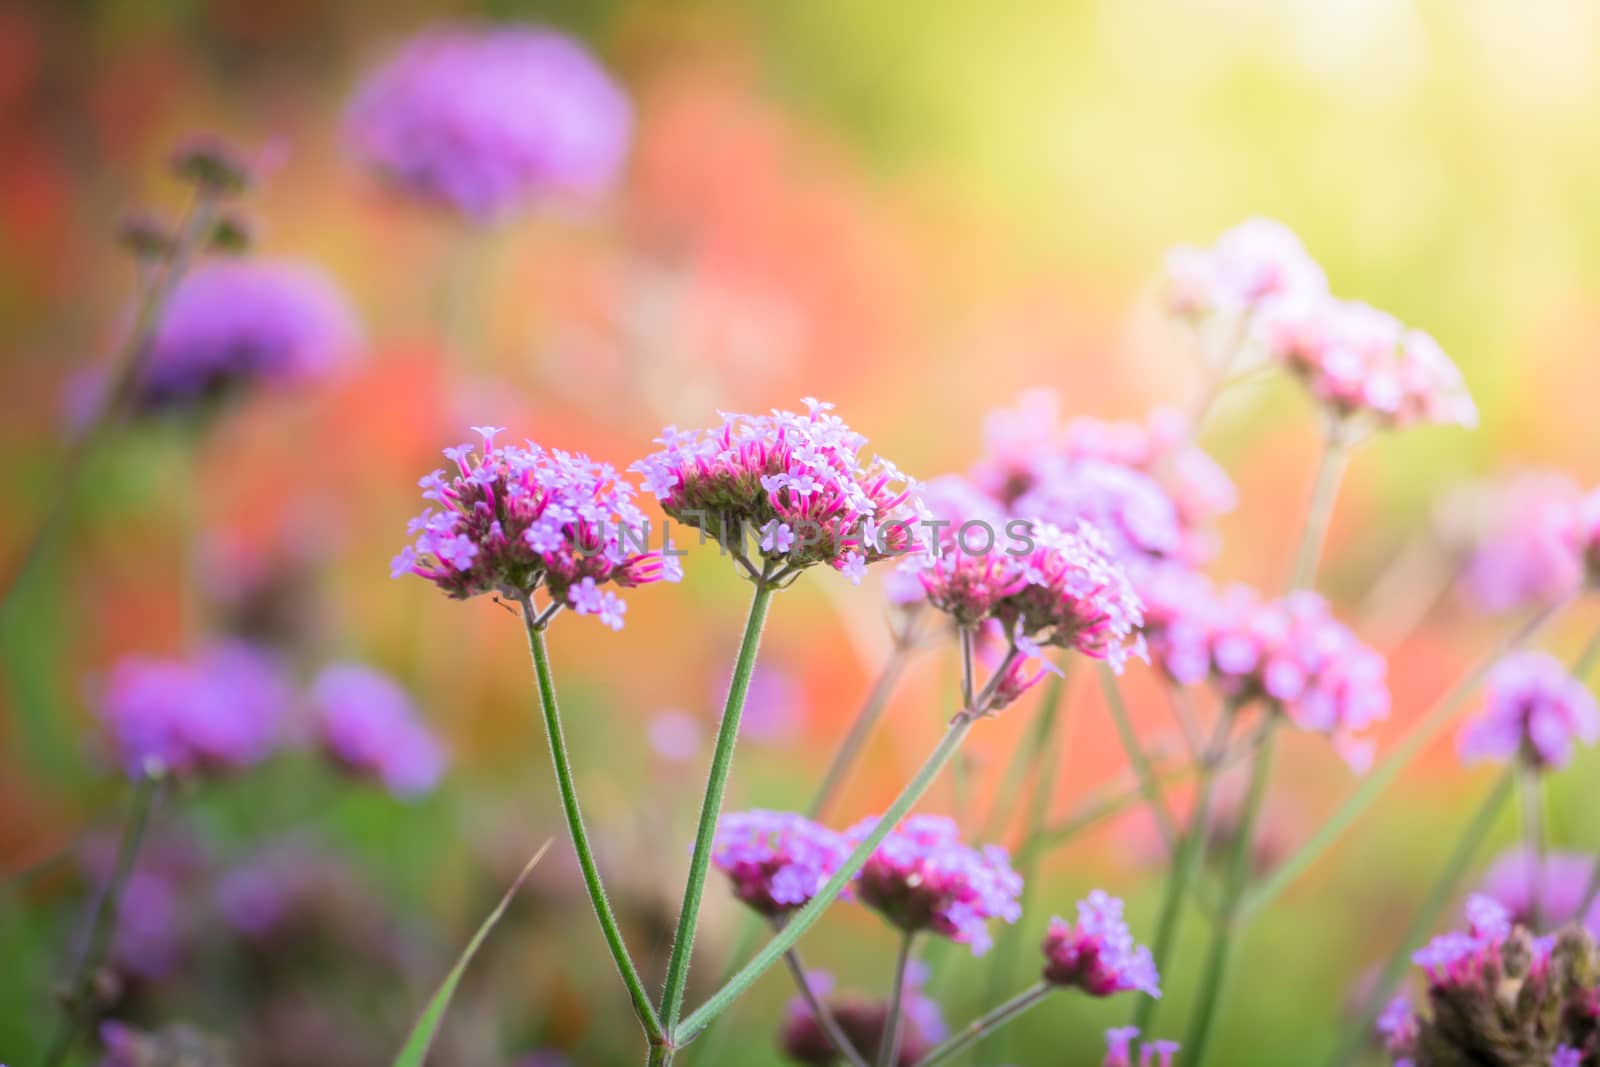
(1536, 710)
(1098, 954)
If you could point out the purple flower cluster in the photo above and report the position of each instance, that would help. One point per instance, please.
(488, 119)
(1535, 710)
(796, 483)
(1097, 954)
(1466, 957)
(1290, 652)
(231, 324)
(1154, 492)
(923, 878)
(1551, 888)
(1257, 263)
(1065, 590)
(1520, 539)
(1119, 1049)
(517, 519)
(776, 861)
(218, 711)
(367, 722)
(862, 1021)
(1359, 361)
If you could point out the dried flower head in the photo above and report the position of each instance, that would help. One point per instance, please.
(219, 711)
(776, 861)
(235, 324)
(1097, 954)
(796, 484)
(515, 520)
(923, 878)
(1535, 710)
(486, 119)
(367, 722)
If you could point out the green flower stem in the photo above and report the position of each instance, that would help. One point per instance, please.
(1227, 931)
(820, 1012)
(121, 386)
(1048, 759)
(1382, 776)
(1185, 865)
(1137, 758)
(1330, 470)
(1534, 837)
(803, 919)
(78, 1007)
(1426, 915)
(711, 806)
(986, 1024)
(889, 1043)
(844, 760)
(580, 836)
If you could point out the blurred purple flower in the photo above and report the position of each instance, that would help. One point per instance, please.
(923, 878)
(776, 861)
(1554, 889)
(1137, 518)
(862, 1021)
(488, 119)
(367, 722)
(1119, 1049)
(1097, 954)
(774, 705)
(1535, 709)
(232, 324)
(1517, 534)
(218, 711)
(1258, 262)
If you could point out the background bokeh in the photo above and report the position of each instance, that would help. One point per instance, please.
(913, 210)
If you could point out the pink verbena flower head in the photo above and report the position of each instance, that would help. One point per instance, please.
(234, 324)
(1257, 262)
(514, 520)
(1359, 362)
(1098, 954)
(1138, 520)
(795, 484)
(863, 1021)
(776, 861)
(219, 711)
(490, 119)
(1180, 616)
(1552, 888)
(1044, 586)
(1536, 710)
(1518, 536)
(923, 878)
(367, 722)
(1294, 654)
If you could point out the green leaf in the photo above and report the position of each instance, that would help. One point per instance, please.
(427, 1025)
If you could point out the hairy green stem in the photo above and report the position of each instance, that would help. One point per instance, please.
(711, 807)
(986, 1024)
(1380, 777)
(78, 1006)
(1227, 932)
(1185, 865)
(889, 1043)
(580, 836)
(1426, 915)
